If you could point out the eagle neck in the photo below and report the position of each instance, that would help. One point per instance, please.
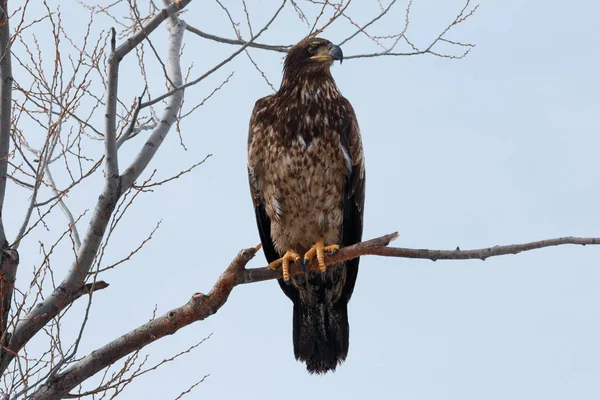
(309, 87)
(309, 106)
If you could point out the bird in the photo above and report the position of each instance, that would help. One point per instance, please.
(307, 179)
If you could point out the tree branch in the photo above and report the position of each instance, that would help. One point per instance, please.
(198, 308)
(478, 254)
(6, 80)
(219, 65)
(64, 208)
(65, 293)
(203, 306)
(176, 29)
(240, 42)
(113, 72)
(110, 122)
(9, 261)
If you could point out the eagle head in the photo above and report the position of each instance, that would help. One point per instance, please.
(312, 55)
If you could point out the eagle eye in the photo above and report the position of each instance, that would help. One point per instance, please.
(312, 49)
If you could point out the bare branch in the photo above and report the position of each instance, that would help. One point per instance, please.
(204, 100)
(127, 134)
(64, 208)
(192, 387)
(198, 308)
(9, 258)
(135, 12)
(479, 254)
(339, 12)
(50, 306)
(6, 80)
(89, 288)
(132, 253)
(203, 306)
(216, 67)
(120, 381)
(110, 123)
(371, 22)
(389, 51)
(117, 55)
(176, 29)
(240, 42)
(179, 175)
(9, 261)
(85, 289)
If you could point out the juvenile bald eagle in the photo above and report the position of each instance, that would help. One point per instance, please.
(307, 178)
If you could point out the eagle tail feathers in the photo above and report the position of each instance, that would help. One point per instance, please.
(321, 334)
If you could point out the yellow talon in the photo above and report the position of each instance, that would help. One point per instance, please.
(319, 249)
(284, 261)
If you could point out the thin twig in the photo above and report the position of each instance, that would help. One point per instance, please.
(219, 65)
(239, 42)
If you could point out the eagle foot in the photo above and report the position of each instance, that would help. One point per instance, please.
(284, 262)
(319, 249)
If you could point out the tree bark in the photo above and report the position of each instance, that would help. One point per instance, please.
(9, 261)
(6, 80)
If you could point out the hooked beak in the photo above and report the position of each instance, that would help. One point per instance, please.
(336, 53)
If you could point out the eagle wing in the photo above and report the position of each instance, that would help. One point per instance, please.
(255, 169)
(354, 197)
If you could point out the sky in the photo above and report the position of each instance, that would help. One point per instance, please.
(500, 147)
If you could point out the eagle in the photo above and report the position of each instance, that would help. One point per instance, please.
(307, 180)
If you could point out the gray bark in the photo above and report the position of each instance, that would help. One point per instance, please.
(6, 80)
(9, 261)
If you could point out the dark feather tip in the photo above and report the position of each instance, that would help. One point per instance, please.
(303, 263)
(312, 275)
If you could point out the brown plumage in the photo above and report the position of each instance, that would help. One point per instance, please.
(306, 172)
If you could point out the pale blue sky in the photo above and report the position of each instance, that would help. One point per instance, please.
(498, 148)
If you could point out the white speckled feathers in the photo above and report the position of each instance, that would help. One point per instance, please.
(300, 181)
